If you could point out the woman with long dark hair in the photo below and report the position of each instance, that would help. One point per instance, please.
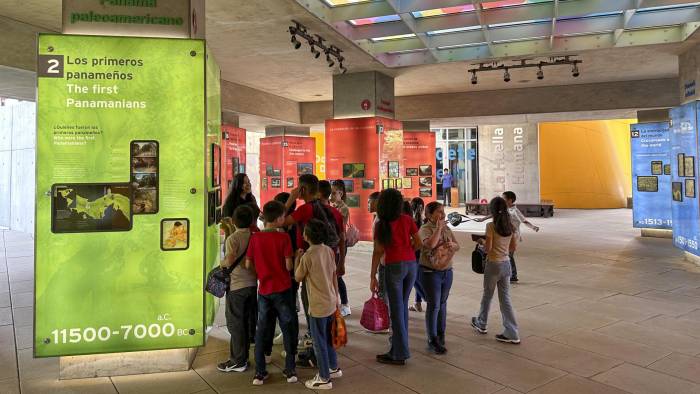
(501, 240)
(395, 238)
(417, 207)
(241, 193)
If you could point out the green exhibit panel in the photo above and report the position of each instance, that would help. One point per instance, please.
(123, 226)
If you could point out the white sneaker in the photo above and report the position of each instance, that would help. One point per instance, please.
(345, 310)
(336, 373)
(318, 384)
(278, 340)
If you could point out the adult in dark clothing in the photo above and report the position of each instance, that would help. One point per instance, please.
(241, 193)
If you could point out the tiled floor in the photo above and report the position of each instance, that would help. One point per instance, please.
(601, 310)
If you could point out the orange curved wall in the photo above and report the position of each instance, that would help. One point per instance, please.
(586, 164)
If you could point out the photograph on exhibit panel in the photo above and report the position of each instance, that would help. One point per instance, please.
(145, 200)
(275, 183)
(215, 165)
(174, 234)
(82, 208)
(393, 169)
(647, 184)
(399, 184)
(657, 168)
(276, 172)
(145, 180)
(241, 169)
(681, 164)
(425, 192)
(677, 191)
(353, 200)
(392, 183)
(667, 169)
(234, 167)
(144, 164)
(349, 185)
(144, 149)
(268, 170)
(425, 170)
(425, 181)
(353, 170)
(385, 183)
(264, 184)
(689, 165)
(407, 183)
(290, 183)
(305, 168)
(211, 208)
(368, 183)
(690, 188)
(411, 172)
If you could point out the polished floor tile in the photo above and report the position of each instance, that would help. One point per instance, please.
(640, 380)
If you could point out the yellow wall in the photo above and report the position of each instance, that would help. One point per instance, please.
(320, 137)
(586, 164)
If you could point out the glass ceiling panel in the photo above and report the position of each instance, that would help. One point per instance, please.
(397, 37)
(530, 22)
(455, 30)
(334, 3)
(377, 19)
(443, 11)
(510, 3)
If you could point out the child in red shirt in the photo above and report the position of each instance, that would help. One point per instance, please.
(270, 251)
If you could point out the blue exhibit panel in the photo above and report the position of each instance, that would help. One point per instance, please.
(684, 166)
(651, 175)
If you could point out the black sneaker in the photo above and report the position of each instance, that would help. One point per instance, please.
(258, 380)
(386, 359)
(441, 340)
(230, 366)
(291, 376)
(503, 338)
(477, 327)
(435, 347)
(514, 279)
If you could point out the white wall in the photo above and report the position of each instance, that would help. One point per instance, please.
(253, 161)
(17, 168)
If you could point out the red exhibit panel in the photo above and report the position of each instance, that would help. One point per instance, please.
(233, 146)
(419, 159)
(282, 160)
(367, 154)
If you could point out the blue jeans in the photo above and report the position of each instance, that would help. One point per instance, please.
(283, 304)
(323, 345)
(437, 286)
(420, 293)
(400, 278)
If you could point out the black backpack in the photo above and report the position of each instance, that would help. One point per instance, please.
(324, 214)
(478, 259)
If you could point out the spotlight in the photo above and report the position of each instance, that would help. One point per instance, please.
(574, 71)
(315, 52)
(540, 73)
(474, 80)
(296, 43)
(506, 76)
(330, 61)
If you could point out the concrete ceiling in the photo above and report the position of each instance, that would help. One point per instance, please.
(251, 43)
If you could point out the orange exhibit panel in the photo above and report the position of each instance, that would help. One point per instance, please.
(233, 141)
(418, 178)
(282, 160)
(367, 154)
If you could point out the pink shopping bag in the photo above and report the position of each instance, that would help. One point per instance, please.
(375, 314)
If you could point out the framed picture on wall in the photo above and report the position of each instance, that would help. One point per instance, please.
(354, 170)
(268, 170)
(425, 181)
(407, 183)
(647, 184)
(264, 184)
(349, 185)
(667, 169)
(305, 168)
(690, 188)
(411, 172)
(368, 183)
(677, 191)
(275, 183)
(276, 172)
(681, 164)
(393, 169)
(399, 184)
(215, 165)
(657, 168)
(425, 192)
(425, 170)
(689, 166)
(290, 183)
(385, 183)
(353, 200)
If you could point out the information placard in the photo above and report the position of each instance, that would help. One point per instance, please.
(684, 151)
(651, 185)
(120, 195)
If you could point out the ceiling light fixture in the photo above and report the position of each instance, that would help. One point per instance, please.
(527, 63)
(317, 45)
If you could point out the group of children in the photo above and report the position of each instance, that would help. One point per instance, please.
(267, 270)
(306, 245)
